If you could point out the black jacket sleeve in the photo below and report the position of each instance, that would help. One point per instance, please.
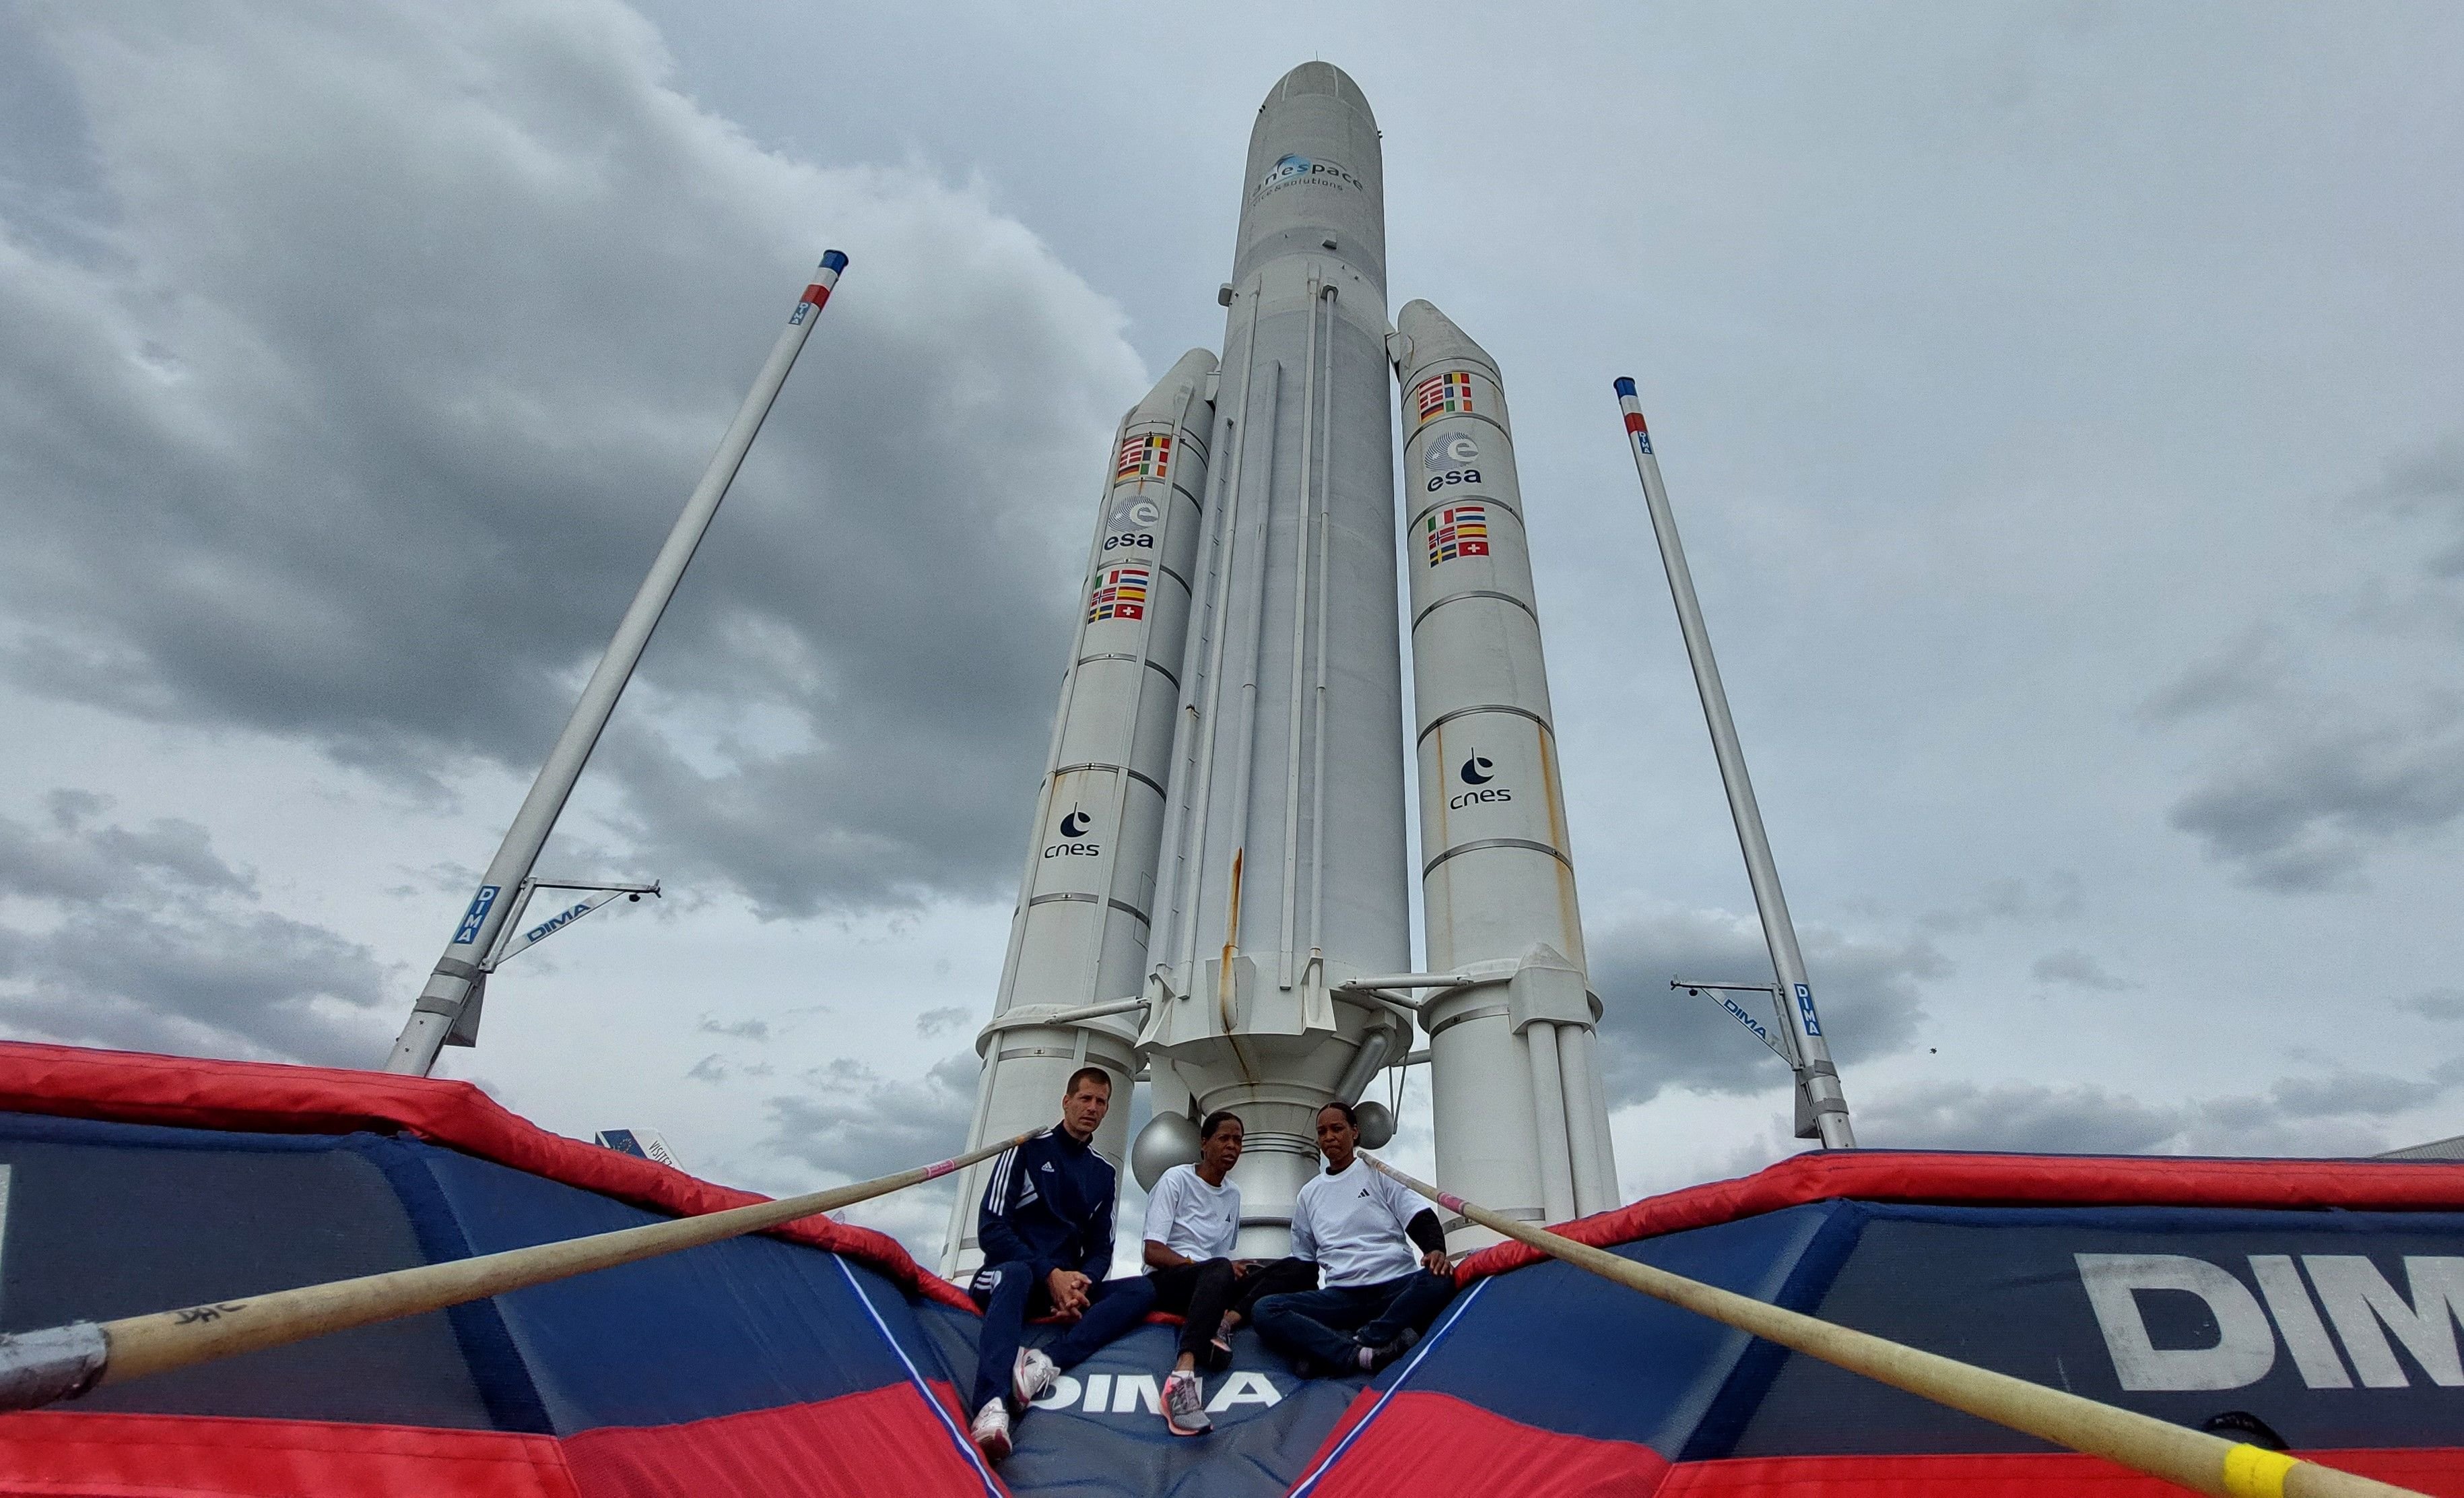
(1423, 1230)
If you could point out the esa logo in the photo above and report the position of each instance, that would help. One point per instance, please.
(1074, 829)
(1477, 772)
(1130, 525)
(1450, 461)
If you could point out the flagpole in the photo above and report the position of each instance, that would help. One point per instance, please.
(445, 1011)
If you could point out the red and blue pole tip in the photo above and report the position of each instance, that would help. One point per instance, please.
(1632, 405)
(818, 293)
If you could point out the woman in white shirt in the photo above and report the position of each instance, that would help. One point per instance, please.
(1193, 1220)
(1382, 1255)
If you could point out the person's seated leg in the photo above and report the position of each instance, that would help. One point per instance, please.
(1173, 1285)
(1211, 1290)
(1006, 1293)
(1412, 1303)
(1283, 1277)
(1316, 1326)
(1114, 1307)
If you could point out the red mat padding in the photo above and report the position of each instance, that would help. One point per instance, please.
(1434, 1446)
(2035, 1180)
(66, 1455)
(859, 1446)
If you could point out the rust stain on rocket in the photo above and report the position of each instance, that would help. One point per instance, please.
(1568, 913)
(1225, 988)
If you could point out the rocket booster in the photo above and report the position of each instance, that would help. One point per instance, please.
(1513, 1063)
(1085, 902)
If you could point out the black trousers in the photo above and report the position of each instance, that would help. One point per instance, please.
(1200, 1293)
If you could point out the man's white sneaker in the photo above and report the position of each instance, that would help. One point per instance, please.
(992, 1430)
(1184, 1406)
(1030, 1375)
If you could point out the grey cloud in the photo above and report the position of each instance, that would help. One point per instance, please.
(2060, 895)
(2334, 1114)
(145, 938)
(857, 1124)
(2249, 670)
(244, 489)
(2308, 804)
(2431, 482)
(2348, 737)
(1653, 1038)
(2078, 970)
(716, 1068)
(740, 1029)
(80, 861)
(936, 1021)
(2435, 1003)
(2019, 1116)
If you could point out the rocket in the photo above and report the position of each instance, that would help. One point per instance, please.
(1217, 900)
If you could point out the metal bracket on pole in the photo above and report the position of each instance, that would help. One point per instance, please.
(1737, 1011)
(594, 896)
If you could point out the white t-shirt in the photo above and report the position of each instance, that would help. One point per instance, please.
(1191, 1217)
(1352, 1225)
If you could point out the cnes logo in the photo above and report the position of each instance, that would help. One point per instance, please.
(2372, 1317)
(1142, 1394)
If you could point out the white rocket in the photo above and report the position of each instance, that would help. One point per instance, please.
(1218, 898)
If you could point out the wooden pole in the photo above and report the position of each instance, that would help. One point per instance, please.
(2159, 1448)
(134, 1346)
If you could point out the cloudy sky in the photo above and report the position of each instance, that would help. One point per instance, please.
(2061, 403)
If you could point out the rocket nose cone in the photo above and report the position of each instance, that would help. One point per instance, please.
(1317, 177)
(1436, 340)
(1319, 77)
(1171, 394)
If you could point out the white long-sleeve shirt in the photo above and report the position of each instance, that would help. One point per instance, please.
(1351, 1224)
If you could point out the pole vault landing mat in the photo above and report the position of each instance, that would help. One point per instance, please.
(2318, 1302)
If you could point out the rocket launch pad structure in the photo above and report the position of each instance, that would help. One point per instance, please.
(1217, 899)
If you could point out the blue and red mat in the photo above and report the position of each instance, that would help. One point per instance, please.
(2320, 1299)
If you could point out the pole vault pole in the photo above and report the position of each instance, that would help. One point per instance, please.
(452, 983)
(1817, 1080)
(62, 1362)
(2142, 1442)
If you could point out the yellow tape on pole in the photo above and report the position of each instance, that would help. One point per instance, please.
(2177, 1454)
(2256, 1472)
(39, 1367)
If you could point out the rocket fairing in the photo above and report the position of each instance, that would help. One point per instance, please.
(1085, 902)
(1518, 1103)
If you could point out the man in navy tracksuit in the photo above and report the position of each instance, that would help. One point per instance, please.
(1047, 1230)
